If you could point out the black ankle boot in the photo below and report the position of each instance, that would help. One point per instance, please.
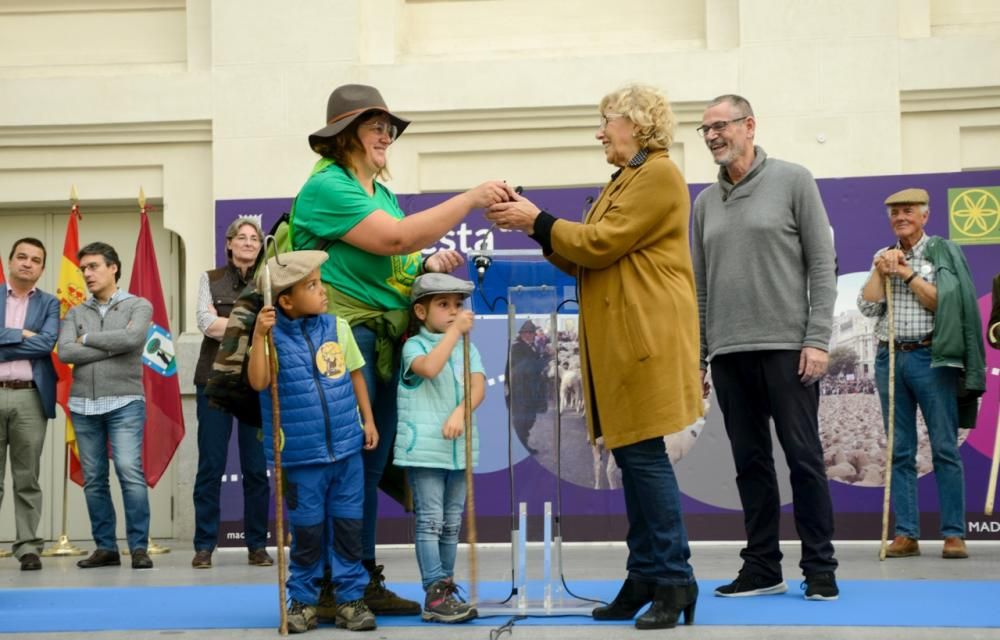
(633, 596)
(668, 603)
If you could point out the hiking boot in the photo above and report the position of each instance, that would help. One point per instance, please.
(202, 559)
(355, 616)
(821, 586)
(301, 617)
(442, 604)
(903, 547)
(383, 601)
(326, 607)
(954, 547)
(747, 584)
(259, 558)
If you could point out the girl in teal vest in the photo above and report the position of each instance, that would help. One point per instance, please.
(430, 435)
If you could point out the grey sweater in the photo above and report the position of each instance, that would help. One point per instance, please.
(110, 364)
(763, 261)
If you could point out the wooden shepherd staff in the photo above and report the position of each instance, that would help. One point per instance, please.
(470, 493)
(279, 486)
(991, 489)
(892, 420)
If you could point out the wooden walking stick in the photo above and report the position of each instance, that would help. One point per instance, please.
(279, 487)
(470, 493)
(891, 420)
(991, 489)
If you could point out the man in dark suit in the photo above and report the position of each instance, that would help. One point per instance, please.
(993, 331)
(29, 326)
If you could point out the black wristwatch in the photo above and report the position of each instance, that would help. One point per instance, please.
(910, 279)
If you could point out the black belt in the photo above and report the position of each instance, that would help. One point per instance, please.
(17, 384)
(907, 346)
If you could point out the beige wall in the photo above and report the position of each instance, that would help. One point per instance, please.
(204, 100)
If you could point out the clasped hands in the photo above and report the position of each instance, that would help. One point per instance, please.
(893, 263)
(516, 213)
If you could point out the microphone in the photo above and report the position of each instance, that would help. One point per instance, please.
(482, 262)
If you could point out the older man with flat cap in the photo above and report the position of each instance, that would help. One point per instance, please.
(939, 367)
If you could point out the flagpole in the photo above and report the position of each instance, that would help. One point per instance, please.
(63, 547)
(152, 548)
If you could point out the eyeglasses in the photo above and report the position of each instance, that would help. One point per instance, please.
(383, 129)
(608, 117)
(717, 127)
(246, 238)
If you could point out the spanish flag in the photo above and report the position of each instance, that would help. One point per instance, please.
(71, 291)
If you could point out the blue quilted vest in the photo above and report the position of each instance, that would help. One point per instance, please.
(319, 412)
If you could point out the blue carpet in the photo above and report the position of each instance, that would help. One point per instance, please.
(924, 603)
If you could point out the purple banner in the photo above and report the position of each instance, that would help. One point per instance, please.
(850, 417)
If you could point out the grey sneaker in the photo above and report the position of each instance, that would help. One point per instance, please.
(443, 604)
(301, 617)
(355, 616)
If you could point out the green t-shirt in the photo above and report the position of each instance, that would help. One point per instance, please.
(330, 204)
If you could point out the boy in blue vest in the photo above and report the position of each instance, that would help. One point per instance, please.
(326, 419)
(431, 431)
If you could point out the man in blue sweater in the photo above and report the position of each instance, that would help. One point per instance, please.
(764, 269)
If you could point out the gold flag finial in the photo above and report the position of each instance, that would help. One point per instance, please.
(74, 197)
(142, 198)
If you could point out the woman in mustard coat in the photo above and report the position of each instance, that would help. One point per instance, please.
(638, 337)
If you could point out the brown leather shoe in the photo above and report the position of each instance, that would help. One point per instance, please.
(903, 547)
(954, 547)
(259, 558)
(202, 559)
(100, 558)
(30, 562)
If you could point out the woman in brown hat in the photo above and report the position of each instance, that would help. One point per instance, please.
(375, 254)
(638, 338)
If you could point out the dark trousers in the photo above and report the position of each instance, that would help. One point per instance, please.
(751, 387)
(658, 549)
(214, 429)
(522, 422)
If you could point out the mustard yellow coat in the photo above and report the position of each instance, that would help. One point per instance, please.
(638, 312)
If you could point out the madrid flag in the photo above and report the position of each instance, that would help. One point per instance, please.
(71, 291)
(164, 418)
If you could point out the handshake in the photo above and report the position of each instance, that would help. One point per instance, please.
(505, 207)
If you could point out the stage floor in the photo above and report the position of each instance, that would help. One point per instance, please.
(589, 567)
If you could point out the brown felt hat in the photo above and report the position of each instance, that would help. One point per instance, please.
(908, 196)
(345, 104)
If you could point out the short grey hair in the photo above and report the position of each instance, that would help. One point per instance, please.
(237, 224)
(739, 103)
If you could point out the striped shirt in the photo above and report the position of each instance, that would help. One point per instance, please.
(913, 322)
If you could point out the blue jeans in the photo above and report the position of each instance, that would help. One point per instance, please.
(324, 511)
(658, 549)
(214, 428)
(438, 500)
(383, 399)
(934, 391)
(124, 429)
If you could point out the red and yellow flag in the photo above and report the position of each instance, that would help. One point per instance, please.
(71, 291)
(164, 417)
(3, 279)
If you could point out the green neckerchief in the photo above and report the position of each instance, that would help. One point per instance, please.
(388, 326)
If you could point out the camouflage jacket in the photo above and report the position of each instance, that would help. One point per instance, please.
(227, 386)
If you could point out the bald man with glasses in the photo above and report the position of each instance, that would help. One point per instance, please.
(766, 279)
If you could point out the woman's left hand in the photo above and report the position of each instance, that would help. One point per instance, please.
(519, 214)
(444, 261)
